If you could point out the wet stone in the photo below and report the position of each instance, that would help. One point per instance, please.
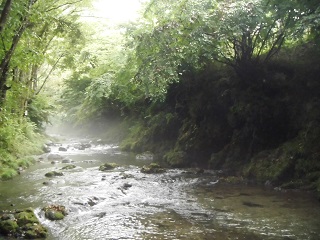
(22, 224)
(108, 166)
(54, 156)
(68, 167)
(54, 212)
(126, 186)
(53, 174)
(62, 149)
(66, 160)
(152, 168)
(145, 156)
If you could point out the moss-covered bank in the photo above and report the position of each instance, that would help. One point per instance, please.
(19, 138)
(265, 128)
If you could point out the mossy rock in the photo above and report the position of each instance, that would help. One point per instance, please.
(25, 217)
(22, 223)
(108, 166)
(68, 167)
(54, 215)
(152, 168)
(35, 231)
(55, 212)
(8, 226)
(53, 174)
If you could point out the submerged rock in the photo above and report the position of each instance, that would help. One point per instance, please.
(54, 212)
(126, 175)
(53, 174)
(152, 168)
(22, 224)
(62, 149)
(54, 156)
(108, 166)
(82, 146)
(68, 167)
(126, 186)
(66, 160)
(145, 156)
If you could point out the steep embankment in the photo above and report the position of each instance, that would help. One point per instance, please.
(265, 128)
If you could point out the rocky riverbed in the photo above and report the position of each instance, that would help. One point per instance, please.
(104, 193)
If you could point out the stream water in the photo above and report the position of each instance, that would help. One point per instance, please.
(179, 204)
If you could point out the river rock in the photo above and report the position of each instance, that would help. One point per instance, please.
(22, 224)
(54, 156)
(62, 149)
(53, 174)
(126, 175)
(93, 201)
(152, 168)
(82, 146)
(46, 148)
(68, 167)
(126, 186)
(54, 212)
(66, 160)
(145, 156)
(108, 166)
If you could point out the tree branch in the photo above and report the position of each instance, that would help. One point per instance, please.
(62, 5)
(47, 77)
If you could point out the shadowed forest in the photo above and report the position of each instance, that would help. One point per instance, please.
(231, 85)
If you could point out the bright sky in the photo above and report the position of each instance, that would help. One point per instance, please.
(117, 11)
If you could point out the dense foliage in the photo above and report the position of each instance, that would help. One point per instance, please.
(210, 83)
(220, 84)
(37, 37)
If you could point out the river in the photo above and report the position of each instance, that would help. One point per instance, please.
(179, 204)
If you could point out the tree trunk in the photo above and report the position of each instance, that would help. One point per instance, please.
(5, 14)
(4, 65)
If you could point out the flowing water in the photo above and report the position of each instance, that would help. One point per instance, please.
(126, 204)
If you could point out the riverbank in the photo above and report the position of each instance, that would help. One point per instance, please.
(266, 130)
(19, 140)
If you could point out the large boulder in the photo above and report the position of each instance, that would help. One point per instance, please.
(21, 224)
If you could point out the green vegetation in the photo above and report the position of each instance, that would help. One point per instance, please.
(37, 38)
(214, 84)
(22, 223)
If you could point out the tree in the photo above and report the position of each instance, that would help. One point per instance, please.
(184, 34)
(30, 45)
(21, 25)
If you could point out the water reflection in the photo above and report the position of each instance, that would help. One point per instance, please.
(127, 204)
